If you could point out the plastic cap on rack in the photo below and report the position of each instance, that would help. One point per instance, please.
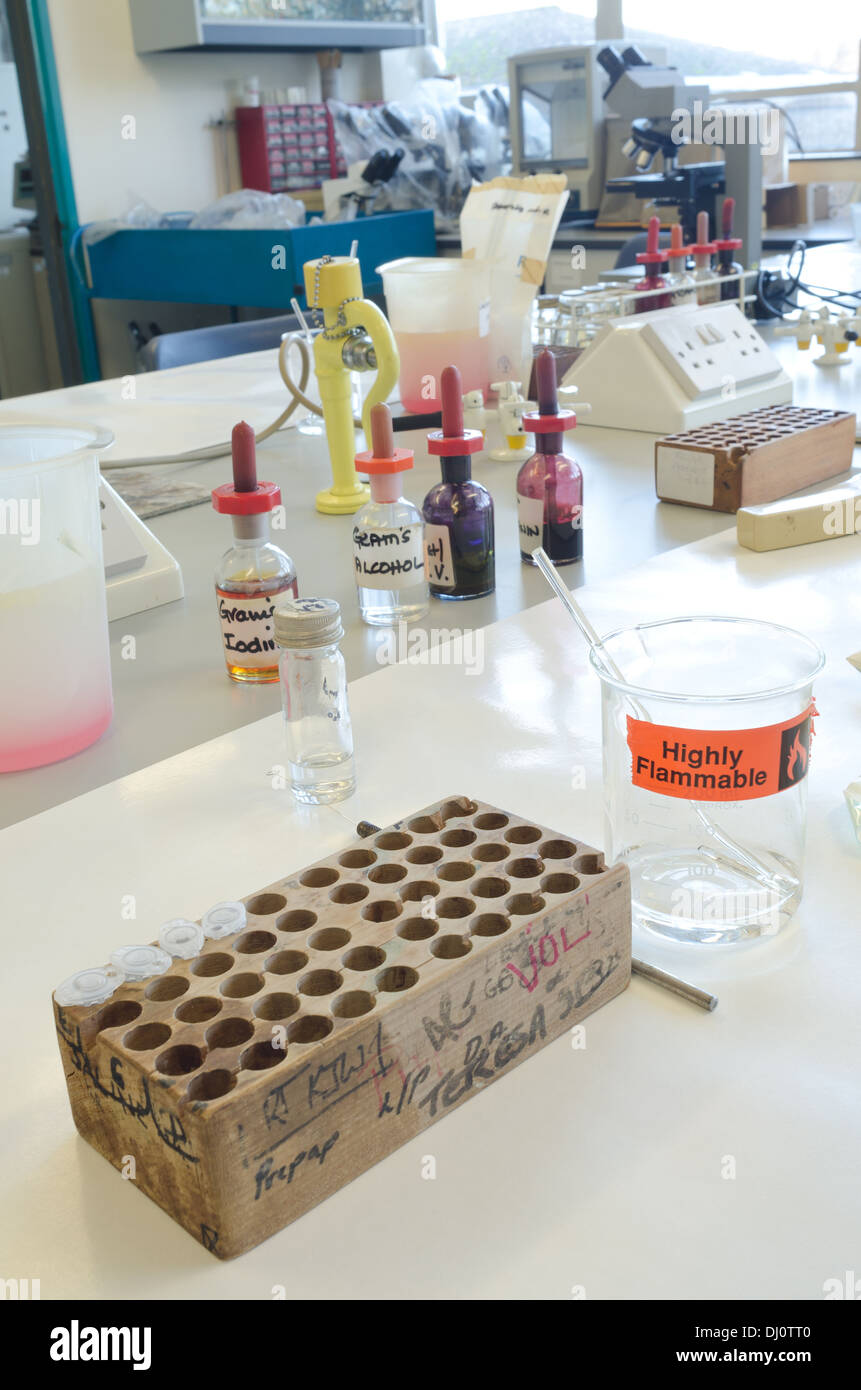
(245, 496)
(383, 457)
(654, 253)
(140, 962)
(92, 986)
(308, 623)
(702, 246)
(225, 919)
(677, 246)
(181, 939)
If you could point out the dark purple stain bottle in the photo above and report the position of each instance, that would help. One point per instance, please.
(458, 511)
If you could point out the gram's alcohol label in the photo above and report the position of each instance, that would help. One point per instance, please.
(720, 764)
(439, 566)
(530, 522)
(388, 557)
(685, 475)
(247, 626)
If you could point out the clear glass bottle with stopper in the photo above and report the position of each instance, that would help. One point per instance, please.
(705, 280)
(388, 552)
(253, 573)
(317, 724)
(682, 284)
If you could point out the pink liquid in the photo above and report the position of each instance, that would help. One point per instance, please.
(423, 357)
(18, 759)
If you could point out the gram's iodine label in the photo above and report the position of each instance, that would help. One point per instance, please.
(388, 557)
(247, 627)
(530, 522)
(439, 566)
(720, 764)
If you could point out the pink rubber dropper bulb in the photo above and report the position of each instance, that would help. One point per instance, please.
(452, 403)
(545, 377)
(244, 450)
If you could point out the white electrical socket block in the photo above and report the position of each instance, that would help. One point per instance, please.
(671, 369)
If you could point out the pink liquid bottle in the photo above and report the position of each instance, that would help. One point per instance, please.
(655, 261)
(550, 485)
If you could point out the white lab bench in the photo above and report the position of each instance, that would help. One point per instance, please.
(598, 1167)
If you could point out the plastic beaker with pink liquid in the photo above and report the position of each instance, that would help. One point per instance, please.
(55, 691)
(439, 310)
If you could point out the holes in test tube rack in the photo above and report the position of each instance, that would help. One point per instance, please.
(320, 982)
(525, 904)
(560, 883)
(383, 911)
(199, 1010)
(211, 1085)
(309, 1028)
(417, 928)
(353, 1004)
(296, 921)
(450, 947)
(454, 907)
(215, 963)
(147, 1037)
(523, 834)
(275, 1007)
(262, 1055)
(387, 873)
(166, 987)
(557, 849)
(363, 958)
(319, 878)
(424, 854)
(457, 839)
(590, 864)
(418, 889)
(179, 1060)
(285, 963)
(455, 871)
(490, 924)
(329, 939)
(349, 893)
(115, 1015)
(396, 979)
(358, 859)
(490, 887)
(490, 820)
(525, 868)
(254, 942)
(229, 1032)
(265, 904)
(393, 839)
(490, 854)
(451, 810)
(241, 986)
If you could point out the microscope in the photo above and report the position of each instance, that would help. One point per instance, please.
(655, 99)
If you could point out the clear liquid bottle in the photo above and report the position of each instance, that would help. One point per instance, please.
(682, 284)
(705, 281)
(388, 552)
(317, 725)
(253, 573)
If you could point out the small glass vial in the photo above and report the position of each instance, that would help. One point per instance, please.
(707, 286)
(682, 284)
(388, 552)
(317, 724)
(253, 573)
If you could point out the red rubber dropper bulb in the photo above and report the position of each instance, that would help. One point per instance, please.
(244, 447)
(545, 377)
(727, 214)
(452, 403)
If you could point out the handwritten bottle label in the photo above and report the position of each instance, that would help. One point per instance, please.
(388, 557)
(439, 566)
(530, 522)
(247, 626)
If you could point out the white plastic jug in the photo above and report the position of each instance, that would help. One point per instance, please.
(55, 673)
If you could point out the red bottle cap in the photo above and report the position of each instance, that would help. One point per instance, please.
(653, 255)
(702, 246)
(727, 241)
(245, 496)
(453, 440)
(383, 457)
(548, 419)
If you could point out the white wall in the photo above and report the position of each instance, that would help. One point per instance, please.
(175, 162)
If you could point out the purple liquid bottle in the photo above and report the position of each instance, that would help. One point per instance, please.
(550, 485)
(457, 512)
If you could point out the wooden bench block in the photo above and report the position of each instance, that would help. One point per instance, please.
(366, 996)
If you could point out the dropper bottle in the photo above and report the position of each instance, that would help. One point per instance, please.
(655, 261)
(388, 552)
(731, 288)
(253, 572)
(678, 279)
(458, 512)
(707, 286)
(550, 485)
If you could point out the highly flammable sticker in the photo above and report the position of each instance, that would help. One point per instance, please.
(720, 764)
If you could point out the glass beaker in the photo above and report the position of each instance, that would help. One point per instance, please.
(439, 310)
(707, 724)
(55, 696)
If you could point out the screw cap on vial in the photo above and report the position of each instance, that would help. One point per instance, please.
(225, 919)
(308, 622)
(181, 939)
(91, 986)
(140, 962)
